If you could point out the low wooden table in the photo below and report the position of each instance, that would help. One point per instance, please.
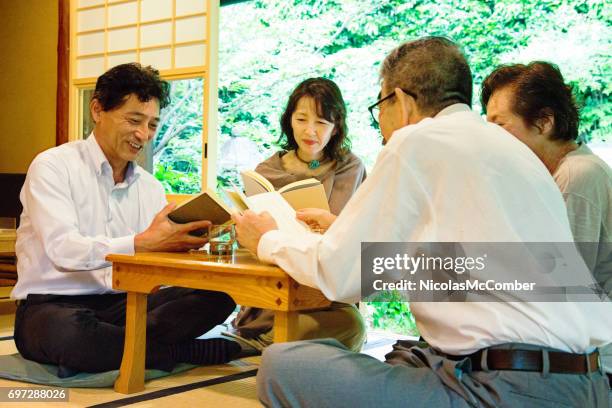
(248, 281)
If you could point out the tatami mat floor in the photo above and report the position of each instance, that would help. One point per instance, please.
(228, 385)
(231, 385)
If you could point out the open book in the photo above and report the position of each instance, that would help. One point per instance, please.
(205, 206)
(308, 193)
(272, 202)
(208, 206)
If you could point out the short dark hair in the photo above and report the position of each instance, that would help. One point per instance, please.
(539, 91)
(433, 68)
(330, 106)
(117, 83)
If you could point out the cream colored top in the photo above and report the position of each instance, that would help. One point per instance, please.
(585, 181)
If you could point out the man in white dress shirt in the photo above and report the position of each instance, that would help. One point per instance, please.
(84, 200)
(444, 175)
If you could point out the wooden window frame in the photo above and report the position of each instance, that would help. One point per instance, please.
(68, 86)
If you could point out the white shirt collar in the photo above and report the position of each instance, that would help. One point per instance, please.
(449, 110)
(454, 108)
(99, 161)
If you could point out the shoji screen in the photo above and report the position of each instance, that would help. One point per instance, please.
(168, 34)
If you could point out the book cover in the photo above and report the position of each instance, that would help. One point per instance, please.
(205, 206)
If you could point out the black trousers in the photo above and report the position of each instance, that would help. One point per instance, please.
(86, 332)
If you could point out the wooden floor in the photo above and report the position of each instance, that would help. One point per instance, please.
(228, 385)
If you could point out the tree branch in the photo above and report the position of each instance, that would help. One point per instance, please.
(170, 115)
(168, 136)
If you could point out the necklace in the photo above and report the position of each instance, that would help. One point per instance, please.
(312, 164)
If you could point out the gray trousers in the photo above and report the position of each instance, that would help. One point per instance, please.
(323, 373)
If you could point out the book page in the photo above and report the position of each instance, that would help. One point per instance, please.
(309, 197)
(280, 210)
(255, 183)
(237, 198)
(299, 184)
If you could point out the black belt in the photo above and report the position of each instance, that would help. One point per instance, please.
(533, 360)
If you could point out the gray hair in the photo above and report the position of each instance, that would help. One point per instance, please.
(433, 68)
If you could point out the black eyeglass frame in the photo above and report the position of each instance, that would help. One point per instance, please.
(381, 100)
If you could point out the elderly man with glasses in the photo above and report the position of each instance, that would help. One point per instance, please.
(444, 175)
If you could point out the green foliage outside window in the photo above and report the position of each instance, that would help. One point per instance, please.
(390, 312)
(177, 148)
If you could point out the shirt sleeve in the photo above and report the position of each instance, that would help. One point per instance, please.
(389, 203)
(47, 197)
(586, 220)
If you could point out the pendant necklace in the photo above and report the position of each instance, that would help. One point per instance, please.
(312, 164)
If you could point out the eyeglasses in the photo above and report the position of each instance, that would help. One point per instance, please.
(375, 107)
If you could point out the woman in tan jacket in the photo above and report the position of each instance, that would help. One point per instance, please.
(316, 145)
